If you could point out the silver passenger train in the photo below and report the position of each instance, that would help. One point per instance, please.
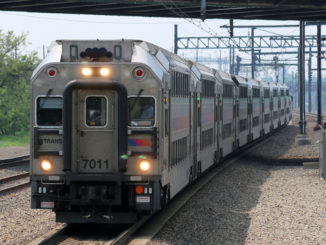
(119, 127)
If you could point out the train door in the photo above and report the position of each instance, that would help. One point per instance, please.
(216, 126)
(96, 137)
(167, 137)
(235, 120)
(250, 115)
(196, 133)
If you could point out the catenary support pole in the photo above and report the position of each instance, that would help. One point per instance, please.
(252, 52)
(302, 122)
(319, 109)
(176, 39)
(309, 80)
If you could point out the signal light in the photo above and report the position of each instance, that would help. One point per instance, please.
(139, 189)
(144, 165)
(86, 71)
(46, 165)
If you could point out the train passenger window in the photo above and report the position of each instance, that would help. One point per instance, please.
(141, 111)
(49, 111)
(96, 111)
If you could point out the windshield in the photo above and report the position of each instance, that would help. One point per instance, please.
(49, 111)
(141, 111)
(96, 111)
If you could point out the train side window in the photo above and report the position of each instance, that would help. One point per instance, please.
(141, 111)
(96, 111)
(49, 111)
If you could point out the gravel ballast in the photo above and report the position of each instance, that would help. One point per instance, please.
(19, 224)
(281, 146)
(253, 203)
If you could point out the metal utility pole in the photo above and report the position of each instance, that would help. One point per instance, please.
(233, 66)
(292, 83)
(319, 119)
(197, 55)
(252, 52)
(238, 65)
(230, 59)
(296, 90)
(176, 39)
(309, 80)
(203, 10)
(275, 58)
(302, 122)
(220, 61)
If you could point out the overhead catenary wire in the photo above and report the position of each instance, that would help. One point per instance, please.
(198, 23)
(91, 21)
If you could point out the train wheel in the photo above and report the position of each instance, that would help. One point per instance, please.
(165, 195)
(191, 175)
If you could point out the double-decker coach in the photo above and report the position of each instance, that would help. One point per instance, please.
(119, 127)
(255, 89)
(243, 111)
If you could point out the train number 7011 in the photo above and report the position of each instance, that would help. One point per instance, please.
(92, 163)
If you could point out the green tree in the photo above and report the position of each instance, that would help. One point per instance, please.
(16, 67)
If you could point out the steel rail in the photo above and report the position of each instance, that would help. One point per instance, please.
(14, 188)
(16, 161)
(14, 177)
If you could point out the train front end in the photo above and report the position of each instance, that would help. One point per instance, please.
(94, 120)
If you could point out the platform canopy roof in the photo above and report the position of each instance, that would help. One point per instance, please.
(205, 9)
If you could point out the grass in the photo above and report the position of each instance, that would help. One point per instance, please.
(20, 139)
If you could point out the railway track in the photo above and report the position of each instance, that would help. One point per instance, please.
(8, 184)
(147, 227)
(11, 162)
(16, 181)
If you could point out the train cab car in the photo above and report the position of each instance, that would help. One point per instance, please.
(206, 116)
(254, 87)
(276, 105)
(98, 109)
(267, 107)
(228, 114)
(243, 111)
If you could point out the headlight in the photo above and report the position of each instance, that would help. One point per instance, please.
(104, 72)
(86, 71)
(46, 165)
(144, 165)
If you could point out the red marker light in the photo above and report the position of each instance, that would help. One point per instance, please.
(139, 189)
(52, 72)
(139, 73)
